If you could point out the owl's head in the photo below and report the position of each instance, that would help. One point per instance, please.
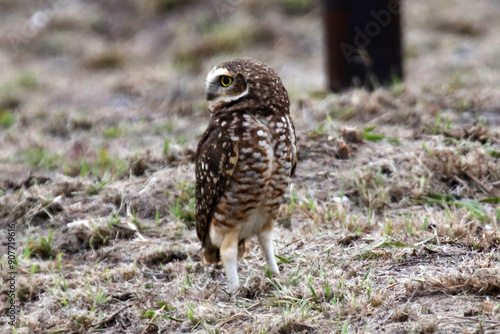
(245, 83)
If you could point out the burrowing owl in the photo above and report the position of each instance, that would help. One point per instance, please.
(243, 162)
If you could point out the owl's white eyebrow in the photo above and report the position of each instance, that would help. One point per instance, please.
(215, 73)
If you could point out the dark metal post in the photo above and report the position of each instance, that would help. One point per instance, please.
(363, 42)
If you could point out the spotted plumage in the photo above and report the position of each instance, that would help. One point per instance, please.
(243, 162)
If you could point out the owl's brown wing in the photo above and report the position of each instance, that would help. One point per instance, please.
(216, 158)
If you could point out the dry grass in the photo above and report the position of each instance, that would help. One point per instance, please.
(391, 224)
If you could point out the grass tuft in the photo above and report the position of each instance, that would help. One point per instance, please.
(42, 248)
(184, 204)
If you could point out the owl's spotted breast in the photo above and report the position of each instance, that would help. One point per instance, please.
(261, 175)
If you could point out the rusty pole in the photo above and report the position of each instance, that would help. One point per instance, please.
(363, 43)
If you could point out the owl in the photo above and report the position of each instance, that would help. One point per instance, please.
(244, 161)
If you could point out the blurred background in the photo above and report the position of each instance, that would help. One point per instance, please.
(77, 76)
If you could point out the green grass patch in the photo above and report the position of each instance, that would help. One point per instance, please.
(112, 132)
(490, 200)
(474, 206)
(41, 158)
(494, 154)
(27, 80)
(42, 248)
(103, 166)
(7, 118)
(96, 188)
(184, 203)
(370, 136)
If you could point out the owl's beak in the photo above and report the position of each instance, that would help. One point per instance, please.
(211, 92)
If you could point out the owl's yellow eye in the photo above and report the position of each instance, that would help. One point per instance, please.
(225, 80)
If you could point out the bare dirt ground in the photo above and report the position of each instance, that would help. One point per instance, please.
(392, 222)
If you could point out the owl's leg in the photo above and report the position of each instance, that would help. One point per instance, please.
(229, 257)
(266, 243)
(241, 249)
